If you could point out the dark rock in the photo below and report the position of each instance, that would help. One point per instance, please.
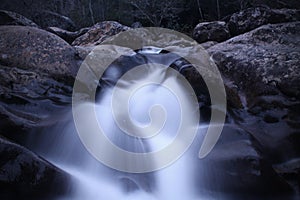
(99, 32)
(37, 50)
(24, 175)
(234, 100)
(236, 167)
(251, 18)
(290, 170)
(11, 18)
(270, 119)
(68, 36)
(29, 99)
(46, 19)
(211, 31)
(264, 66)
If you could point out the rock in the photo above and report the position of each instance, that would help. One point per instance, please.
(235, 167)
(264, 67)
(24, 175)
(30, 100)
(251, 18)
(37, 50)
(46, 19)
(99, 32)
(83, 51)
(211, 31)
(11, 18)
(208, 44)
(265, 59)
(290, 170)
(68, 36)
(37, 71)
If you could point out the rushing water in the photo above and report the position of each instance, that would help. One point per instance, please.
(94, 181)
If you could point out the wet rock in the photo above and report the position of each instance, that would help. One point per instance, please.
(264, 66)
(24, 175)
(251, 18)
(237, 168)
(37, 50)
(68, 36)
(11, 18)
(290, 170)
(99, 32)
(29, 99)
(211, 31)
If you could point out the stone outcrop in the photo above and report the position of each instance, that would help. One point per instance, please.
(211, 31)
(251, 18)
(99, 32)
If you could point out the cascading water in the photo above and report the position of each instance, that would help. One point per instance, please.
(93, 180)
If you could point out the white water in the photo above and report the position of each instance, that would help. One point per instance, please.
(94, 181)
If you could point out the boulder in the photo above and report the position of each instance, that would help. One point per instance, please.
(264, 67)
(251, 18)
(37, 71)
(263, 61)
(11, 18)
(211, 31)
(24, 175)
(99, 32)
(68, 36)
(237, 168)
(37, 50)
(30, 100)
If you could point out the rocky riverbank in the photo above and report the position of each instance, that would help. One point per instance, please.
(256, 50)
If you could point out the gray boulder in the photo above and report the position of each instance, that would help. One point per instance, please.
(265, 59)
(99, 32)
(211, 31)
(264, 67)
(37, 50)
(251, 18)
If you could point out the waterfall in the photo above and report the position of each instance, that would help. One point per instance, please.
(94, 181)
